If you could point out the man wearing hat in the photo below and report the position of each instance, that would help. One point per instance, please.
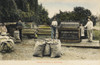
(89, 26)
(19, 26)
(54, 25)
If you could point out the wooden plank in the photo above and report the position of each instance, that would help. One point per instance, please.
(83, 44)
(71, 41)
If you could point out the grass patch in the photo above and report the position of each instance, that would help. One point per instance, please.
(96, 34)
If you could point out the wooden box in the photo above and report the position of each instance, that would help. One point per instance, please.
(69, 32)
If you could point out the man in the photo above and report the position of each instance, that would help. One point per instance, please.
(19, 26)
(89, 26)
(54, 25)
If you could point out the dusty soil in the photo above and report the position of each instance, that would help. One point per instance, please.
(24, 51)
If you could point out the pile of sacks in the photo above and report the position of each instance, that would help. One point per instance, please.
(47, 47)
(6, 43)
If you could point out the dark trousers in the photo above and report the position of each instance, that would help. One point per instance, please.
(53, 32)
(20, 34)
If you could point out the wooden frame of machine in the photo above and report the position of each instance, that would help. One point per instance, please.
(69, 32)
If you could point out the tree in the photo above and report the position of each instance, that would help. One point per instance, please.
(8, 10)
(12, 10)
(26, 10)
(79, 14)
(42, 15)
(22, 5)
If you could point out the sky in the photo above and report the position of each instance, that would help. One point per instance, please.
(53, 6)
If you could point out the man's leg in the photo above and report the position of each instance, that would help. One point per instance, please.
(88, 34)
(56, 33)
(20, 31)
(52, 32)
(91, 36)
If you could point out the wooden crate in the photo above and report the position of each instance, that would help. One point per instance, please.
(69, 33)
(44, 30)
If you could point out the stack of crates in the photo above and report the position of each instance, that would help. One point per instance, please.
(44, 30)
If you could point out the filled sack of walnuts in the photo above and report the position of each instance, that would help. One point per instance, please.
(39, 48)
(16, 35)
(47, 50)
(55, 48)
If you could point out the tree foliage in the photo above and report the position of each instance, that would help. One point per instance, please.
(42, 15)
(26, 10)
(79, 14)
(8, 10)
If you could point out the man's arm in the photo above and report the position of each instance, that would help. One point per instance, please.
(16, 23)
(51, 23)
(86, 24)
(57, 23)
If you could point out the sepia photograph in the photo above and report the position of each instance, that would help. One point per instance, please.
(57, 32)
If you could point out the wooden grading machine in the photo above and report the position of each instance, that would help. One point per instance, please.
(69, 32)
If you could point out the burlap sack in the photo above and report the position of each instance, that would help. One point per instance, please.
(55, 48)
(6, 46)
(16, 35)
(39, 48)
(47, 50)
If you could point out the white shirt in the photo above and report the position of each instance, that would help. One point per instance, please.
(54, 23)
(82, 30)
(89, 25)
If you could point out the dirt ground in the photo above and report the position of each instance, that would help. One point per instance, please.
(24, 51)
